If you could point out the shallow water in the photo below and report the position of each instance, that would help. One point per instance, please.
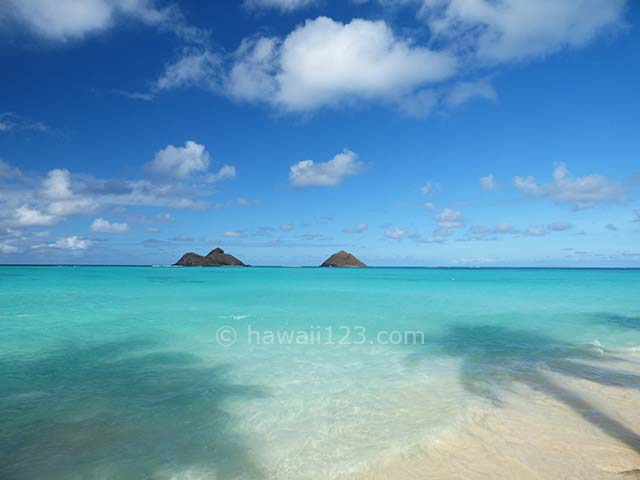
(120, 372)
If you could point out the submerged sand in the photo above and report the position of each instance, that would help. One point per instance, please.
(557, 427)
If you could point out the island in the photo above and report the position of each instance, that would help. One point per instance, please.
(343, 259)
(215, 258)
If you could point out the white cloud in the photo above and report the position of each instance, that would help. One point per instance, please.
(104, 226)
(253, 74)
(57, 187)
(8, 171)
(57, 184)
(73, 206)
(226, 172)
(463, 92)
(447, 220)
(63, 20)
(560, 226)
(426, 188)
(286, 227)
(10, 122)
(328, 174)
(282, 5)
(580, 192)
(507, 30)
(72, 243)
(488, 183)
(395, 233)
(536, 231)
(233, 234)
(359, 228)
(31, 217)
(180, 162)
(193, 68)
(325, 62)
(7, 248)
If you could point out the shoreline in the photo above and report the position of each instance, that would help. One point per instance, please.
(584, 430)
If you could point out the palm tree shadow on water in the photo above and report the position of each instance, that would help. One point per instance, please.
(123, 410)
(495, 358)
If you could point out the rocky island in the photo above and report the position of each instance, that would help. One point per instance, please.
(343, 259)
(215, 258)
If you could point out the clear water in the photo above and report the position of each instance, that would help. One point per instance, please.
(117, 372)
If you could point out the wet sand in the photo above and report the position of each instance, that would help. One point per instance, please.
(558, 427)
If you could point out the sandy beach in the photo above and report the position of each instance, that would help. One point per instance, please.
(564, 429)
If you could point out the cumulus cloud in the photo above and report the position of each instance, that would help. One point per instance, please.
(426, 188)
(286, 227)
(31, 217)
(579, 192)
(29, 201)
(72, 243)
(180, 162)
(233, 234)
(324, 62)
(359, 228)
(448, 220)
(512, 30)
(328, 174)
(57, 184)
(395, 233)
(104, 226)
(228, 172)
(63, 20)
(488, 183)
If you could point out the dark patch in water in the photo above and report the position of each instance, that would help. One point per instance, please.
(622, 321)
(120, 410)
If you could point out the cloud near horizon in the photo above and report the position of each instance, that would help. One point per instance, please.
(579, 192)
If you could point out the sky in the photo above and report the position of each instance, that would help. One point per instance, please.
(408, 132)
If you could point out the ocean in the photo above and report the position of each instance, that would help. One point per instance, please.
(304, 373)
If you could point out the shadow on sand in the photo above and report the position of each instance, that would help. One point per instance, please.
(124, 410)
(495, 358)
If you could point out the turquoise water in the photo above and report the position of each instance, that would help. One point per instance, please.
(120, 372)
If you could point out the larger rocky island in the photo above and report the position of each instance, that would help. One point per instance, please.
(342, 259)
(215, 258)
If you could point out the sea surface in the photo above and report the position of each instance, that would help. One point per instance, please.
(285, 373)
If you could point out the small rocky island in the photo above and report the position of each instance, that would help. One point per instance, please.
(215, 258)
(342, 259)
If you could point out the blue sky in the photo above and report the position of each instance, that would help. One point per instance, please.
(409, 132)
